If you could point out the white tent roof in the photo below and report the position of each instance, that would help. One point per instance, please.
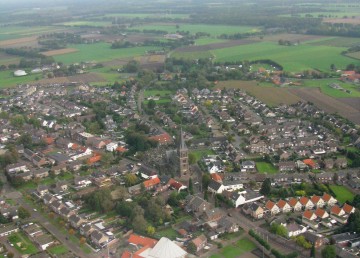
(166, 248)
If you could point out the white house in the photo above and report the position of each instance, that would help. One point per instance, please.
(233, 185)
(294, 229)
(111, 146)
(240, 198)
(216, 187)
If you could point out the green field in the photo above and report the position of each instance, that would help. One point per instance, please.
(335, 42)
(336, 14)
(8, 79)
(342, 193)
(13, 32)
(323, 84)
(213, 30)
(192, 55)
(147, 15)
(161, 93)
(241, 247)
(168, 232)
(264, 167)
(22, 243)
(202, 153)
(293, 58)
(86, 23)
(59, 249)
(100, 52)
(206, 41)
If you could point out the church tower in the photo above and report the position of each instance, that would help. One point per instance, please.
(183, 156)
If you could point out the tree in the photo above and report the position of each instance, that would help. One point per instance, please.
(132, 66)
(10, 254)
(130, 179)
(353, 223)
(335, 177)
(192, 158)
(191, 248)
(312, 251)
(106, 158)
(151, 104)
(150, 230)
(71, 231)
(191, 187)
(206, 178)
(82, 240)
(100, 200)
(266, 187)
(356, 201)
(328, 252)
(3, 219)
(23, 213)
(139, 223)
(17, 121)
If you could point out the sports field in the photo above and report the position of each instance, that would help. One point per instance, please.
(342, 193)
(100, 52)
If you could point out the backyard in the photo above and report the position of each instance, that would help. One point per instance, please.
(22, 243)
(342, 193)
(235, 250)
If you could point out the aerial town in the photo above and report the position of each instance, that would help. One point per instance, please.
(163, 129)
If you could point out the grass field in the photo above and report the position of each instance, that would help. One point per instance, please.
(323, 84)
(206, 41)
(161, 93)
(59, 249)
(201, 153)
(192, 55)
(213, 30)
(86, 23)
(270, 95)
(146, 15)
(336, 42)
(22, 243)
(342, 193)
(8, 79)
(264, 167)
(241, 247)
(294, 58)
(14, 32)
(100, 52)
(168, 232)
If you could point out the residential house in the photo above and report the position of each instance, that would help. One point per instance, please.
(248, 166)
(284, 207)
(76, 221)
(233, 185)
(86, 230)
(338, 214)
(240, 198)
(152, 183)
(314, 239)
(341, 163)
(309, 215)
(348, 209)
(41, 173)
(328, 163)
(328, 199)
(312, 164)
(199, 242)
(44, 241)
(98, 238)
(216, 187)
(212, 215)
(82, 181)
(197, 204)
(295, 229)
(228, 224)
(176, 185)
(8, 229)
(254, 210)
(58, 169)
(317, 201)
(42, 190)
(306, 203)
(272, 208)
(295, 204)
(286, 166)
(16, 168)
(321, 213)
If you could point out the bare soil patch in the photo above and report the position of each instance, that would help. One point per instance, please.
(354, 21)
(231, 43)
(353, 102)
(272, 96)
(327, 103)
(59, 51)
(12, 42)
(86, 78)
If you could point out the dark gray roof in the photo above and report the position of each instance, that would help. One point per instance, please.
(214, 185)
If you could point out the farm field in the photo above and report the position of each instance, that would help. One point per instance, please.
(336, 42)
(235, 250)
(355, 55)
(147, 15)
(270, 95)
(293, 58)
(342, 193)
(326, 103)
(265, 167)
(323, 84)
(6, 59)
(206, 41)
(100, 52)
(59, 51)
(192, 55)
(14, 32)
(86, 23)
(7, 79)
(213, 30)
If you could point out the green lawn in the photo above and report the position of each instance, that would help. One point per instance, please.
(168, 232)
(161, 93)
(264, 167)
(100, 52)
(213, 30)
(22, 243)
(59, 249)
(342, 193)
(201, 153)
(242, 246)
(323, 84)
(8, 79)
(292, 58)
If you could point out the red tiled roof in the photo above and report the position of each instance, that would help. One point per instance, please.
(152, 182)
(309, 162)
(281, 204)
(141, 240)
(49, 140)
(121, 149)
(292, 202)
(304, 200)
(347, 208)
(175, 184)
(269, 205)
(335, 210)
(94, 159)
(216, 177)
(320, 212)
(161, 138)
(326, 197)
(315, 199)
(308, 214)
